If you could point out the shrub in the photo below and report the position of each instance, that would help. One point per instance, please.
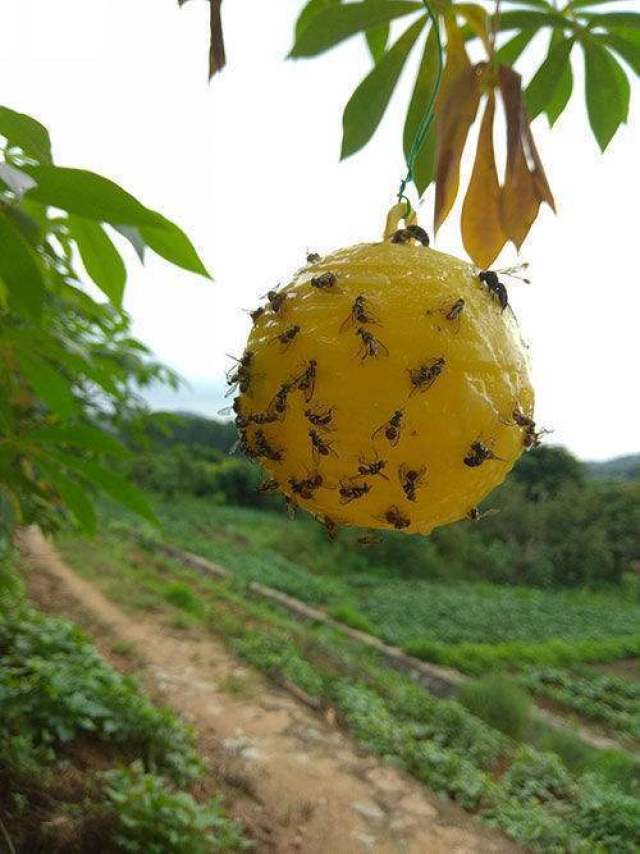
(449, 772)
(277, 653)
(182, 596)
(238, 481)
(55, 686)
(533, 827)
(498, 701)
(575, 753)
(151, 819)
(538, 776)
(608, 817)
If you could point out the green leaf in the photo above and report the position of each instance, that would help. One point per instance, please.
(114, 485)
(79, 436)
(331, 26)
(625, 47)
(424, 170)
(613, 20)
(366, 106)
(539, 4)
(607, 92)
(543, 85)
(377, 39)
(26, 133)
(19, 268)
(312, 8)
(100, 257)
(173, 245)
(555, 106)
(524, 19)
(48, 383)
(89, 195)
(511, 50)
(73, 495)
(579, 4)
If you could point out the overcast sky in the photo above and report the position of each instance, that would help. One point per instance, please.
(249, 167)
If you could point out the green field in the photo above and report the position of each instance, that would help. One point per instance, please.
(547, 790)
(471, 625)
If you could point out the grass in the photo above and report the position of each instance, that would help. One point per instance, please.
(440, 742)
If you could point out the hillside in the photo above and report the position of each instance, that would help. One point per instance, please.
(617, 468)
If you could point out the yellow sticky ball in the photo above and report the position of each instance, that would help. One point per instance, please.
(385, 387)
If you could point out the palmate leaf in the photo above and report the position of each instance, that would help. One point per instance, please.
(331, 26)
(310, 9)
(481, 221)
(425, 165)
(626, 46)
(92, 197)
(368, 103)
(78, 436)
(26, 133)
(87, 194)
(111, 483)
(542, 88)
(562, 93)
(75, 497)
(456, 114)
(525, 19)
(377, 38)
(511, 50)
(613, 20)
(525, 185)
(19, 268)
(100, 257)
(48, 383)
(607, 91)
(171, 243)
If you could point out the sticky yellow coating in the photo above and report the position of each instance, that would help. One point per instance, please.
(409, 291)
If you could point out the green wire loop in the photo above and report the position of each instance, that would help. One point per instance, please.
(425, 124)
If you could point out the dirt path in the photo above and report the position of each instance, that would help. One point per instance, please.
(299, 782)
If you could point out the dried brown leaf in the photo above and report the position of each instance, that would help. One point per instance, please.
(525, 185)
(217, 58)
(456, 114)
(481, 221)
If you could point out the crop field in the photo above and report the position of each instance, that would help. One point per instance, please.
(549, 793)
(609, 700)
(474, 626)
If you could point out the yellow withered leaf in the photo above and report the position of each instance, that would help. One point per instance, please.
(525, 186)
(481, 221)
(456, 115)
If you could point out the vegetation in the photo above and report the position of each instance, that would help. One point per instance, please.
(449, 87)
(520, 782)
(556, 526)
(613, 701)
(58, 696)
(70, 370)
(72, 425)
(442, 614)
(500, 702)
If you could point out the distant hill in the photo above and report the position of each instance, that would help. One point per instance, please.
(619, 468)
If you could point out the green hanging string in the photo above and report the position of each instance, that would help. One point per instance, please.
(425, 124)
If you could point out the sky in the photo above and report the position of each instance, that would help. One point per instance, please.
(249, 166)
